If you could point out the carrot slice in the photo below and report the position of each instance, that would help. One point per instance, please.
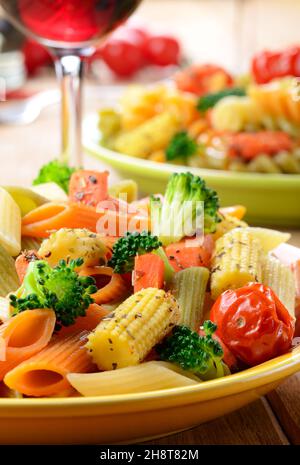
(181, 255)
(88, 187)
(94, 315)
(42, 221)
(238, 211)
(23, 261)
(25, 335)
(148, 272)
(45, 374)
(114, 289)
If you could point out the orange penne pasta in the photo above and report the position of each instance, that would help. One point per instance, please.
(45, 373)
(24, 335)
(94, 315)
(51, 216)
(114, 290)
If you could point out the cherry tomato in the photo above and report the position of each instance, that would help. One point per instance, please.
(253, 323)
(35, 56)
(123, 57)
(134, 35)
(162, 50)
(268, 65)
(203, 79)
(259, 67)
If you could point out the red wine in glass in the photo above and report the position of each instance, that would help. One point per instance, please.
(70, 28)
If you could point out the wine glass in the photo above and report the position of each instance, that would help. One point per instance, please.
(70, 29)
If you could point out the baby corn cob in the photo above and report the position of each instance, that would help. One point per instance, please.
(281, 279)
(237, 261)
(189, 289)
(125, 337)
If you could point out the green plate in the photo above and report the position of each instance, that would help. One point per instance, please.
(271, 199)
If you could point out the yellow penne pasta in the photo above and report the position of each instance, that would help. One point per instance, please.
(228, 223)
(30, 243)
(51, 191)
(5, 309)
(189, 289)
(236, 261)
(26, 199)
(10, 223)
(127, 187)
(268, 238)
(9, 281)
(149, 376)
(154, 134)
(281, 279)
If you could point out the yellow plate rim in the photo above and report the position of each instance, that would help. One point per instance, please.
(263, 374)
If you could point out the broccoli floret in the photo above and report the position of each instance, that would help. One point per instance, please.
(127, 247)
(201, 355)
(179, 213)
(181, 146)
(59, 288)
(210, 100)
(55, 171)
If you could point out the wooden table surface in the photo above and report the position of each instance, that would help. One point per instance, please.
(271, 420)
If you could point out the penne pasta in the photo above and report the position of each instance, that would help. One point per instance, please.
(24, 335)
(236, 261)
(125, 187)
(150, 136)
(51, 191)
(268, 238)
(5, 309)
(45, 374)
(9, 281)
(52, 216)
(30, 243)
(25, 198)
(94, 315)
(114, 290)
(148, 376)
(281, 279)
(126, 336)
(189, 289)
(228, 223)
(10, 224)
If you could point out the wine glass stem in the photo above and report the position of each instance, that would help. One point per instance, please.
(69, 70)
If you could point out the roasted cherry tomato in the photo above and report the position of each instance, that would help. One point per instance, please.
(253, 323)
(162, 50)
(203, 79)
